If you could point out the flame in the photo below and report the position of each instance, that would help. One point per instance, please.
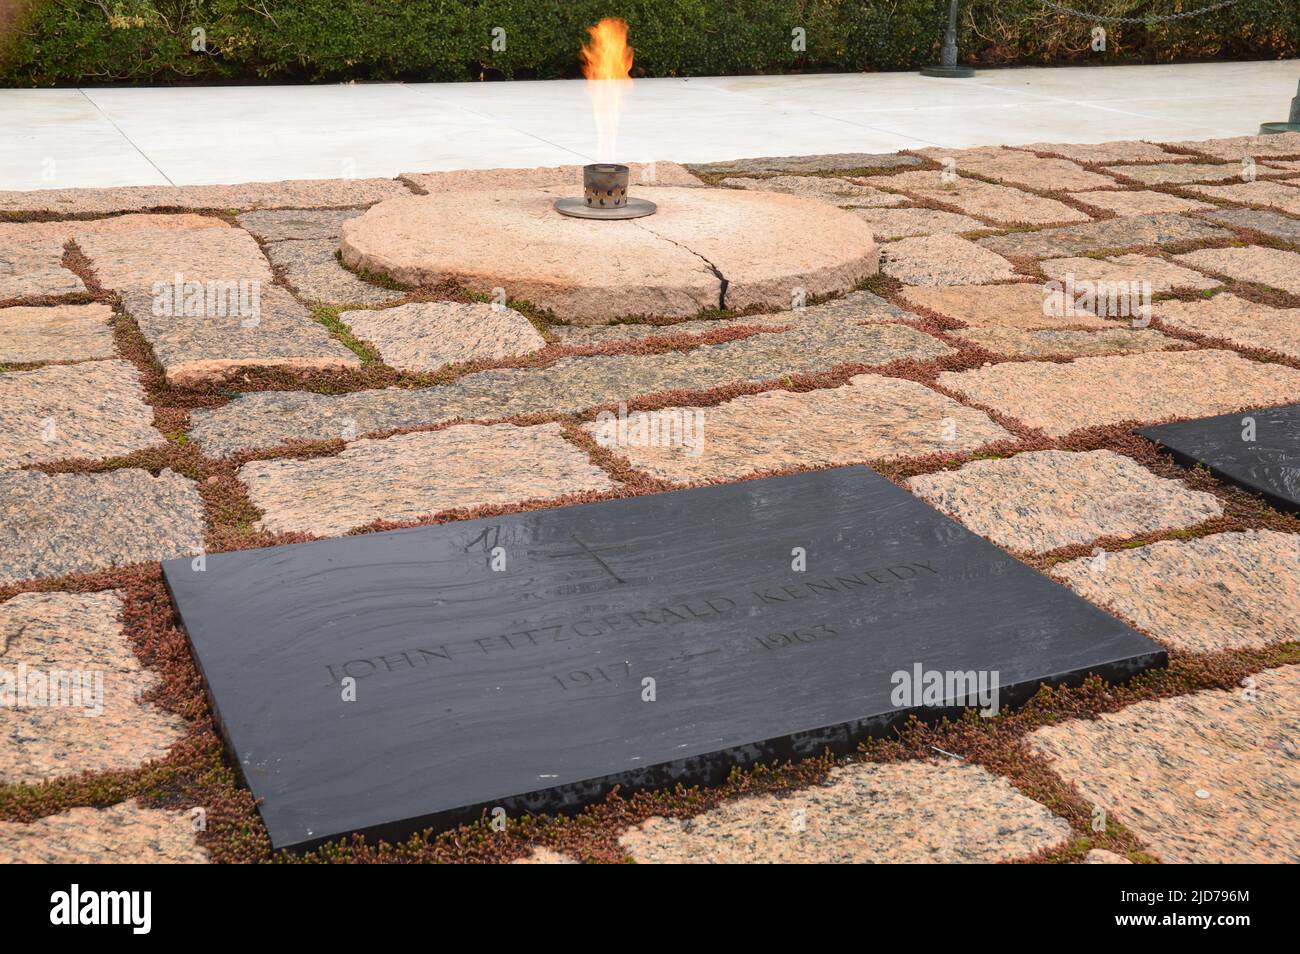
(607, 65)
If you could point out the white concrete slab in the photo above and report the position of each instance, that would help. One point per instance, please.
(99, 137)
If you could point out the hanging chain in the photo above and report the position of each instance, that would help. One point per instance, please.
(1148, 19)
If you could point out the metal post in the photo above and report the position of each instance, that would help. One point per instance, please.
(948, 66)
(1293, 125)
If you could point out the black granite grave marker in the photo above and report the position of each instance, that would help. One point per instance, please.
(639, 642)
(1256, 450)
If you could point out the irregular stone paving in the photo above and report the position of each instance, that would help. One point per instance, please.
(838, 162)
(63, 411)
(55, 333)
(1226, 591)
(1015, 342)
(942, 260)
(642, 174)
(138, 251)
(1023, 305)
(1262, 192)
(1280, 144)
(414, 475)
(293, 194)
(1246, 324)
(1270, 223)
(98, 723)
(1204, 778)
(1139, 202)
(121, 834)
(829, 316)
(267, 418)
(867, 813)
(996, 203)
(907, 223)
(1016, 168)
(1179, 173)
(279, 225)
(31, 262)
(1103, 152)
(1123, 232)
(313, 270)
(1147, 388)
(203, 348)
(868, 419)
(424, 336)
(1266, 266)
(1062, 498)
(1128, 271)
(831, 189)
(54, 524)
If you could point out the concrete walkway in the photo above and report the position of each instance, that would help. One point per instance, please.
(63, 138)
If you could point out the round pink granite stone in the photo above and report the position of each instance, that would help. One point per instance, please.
(703, 249)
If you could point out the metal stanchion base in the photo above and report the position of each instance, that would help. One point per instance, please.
(949, 72)
(1268, 129)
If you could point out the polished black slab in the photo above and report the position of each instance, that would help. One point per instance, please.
(526, 688)
(1269, 465)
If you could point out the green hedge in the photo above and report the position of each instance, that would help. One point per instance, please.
(149, 41)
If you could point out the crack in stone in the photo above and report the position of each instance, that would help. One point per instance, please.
(717, 272)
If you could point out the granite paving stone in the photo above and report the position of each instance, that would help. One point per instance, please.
(1203, 778)
(571, 384)
(136, 252)
(835, 162)
(837, 191)
(1266, 266)
(1119, 271)
(1103, 152)
(996, 203)
(1017, 342)
(1235, 147)
(942, 260)
(221, 341)
(1158, 386)
(1019, 168)
(413, 475)
(278, 225)
(1261, 192)
(1122, 232)
(31, 261)
(1270, 223)
(55, 333)
(1100, 856)
(63, 411)
(1059, 499)
(1225, 591)
(292, 194)
(424, 336)
(869, 418)
(1247, 324)
(868, 813)
(1180, 173)
(99, 723)
(312, 269)
(120, 834)
(907, 223)
(828, 316)
(54, 524)
(1138, 202)
(1022, 305)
